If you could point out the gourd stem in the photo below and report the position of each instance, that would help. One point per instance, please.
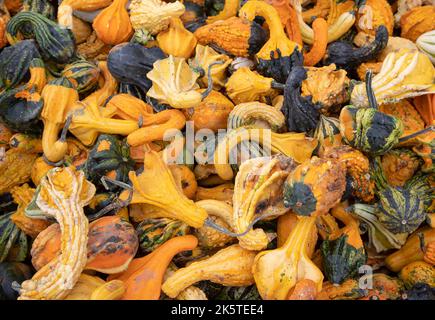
(277, 85)
(65, 128)
(370, 94)
(210, 223)
(415, 134)
(121, 184)
(422, 245)
(210, 79)
(53, 164)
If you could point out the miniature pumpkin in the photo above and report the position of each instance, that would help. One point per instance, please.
(237, 36)
(176, 40)
(230, 266)
(305, 188)
(417, 21)
(154, 15)
(112, 25)
(112, 244)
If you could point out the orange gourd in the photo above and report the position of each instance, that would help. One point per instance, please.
(112, 25)
(146, 282)
(425, 105)
(318, 50)
(286, 224)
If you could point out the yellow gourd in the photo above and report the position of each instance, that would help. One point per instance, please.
(177, 40)
(277, 271)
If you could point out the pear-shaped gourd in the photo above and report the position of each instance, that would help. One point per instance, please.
(177, 40)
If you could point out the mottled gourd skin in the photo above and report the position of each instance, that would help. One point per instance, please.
(85, 73)
(369, 130)
(315, 186)
(341, 260)
(15, 62)
(154, 232)
(347, 57)
(109, 157)
(55, 43)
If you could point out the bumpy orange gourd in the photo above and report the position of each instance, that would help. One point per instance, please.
(374, 14)
(112, 25)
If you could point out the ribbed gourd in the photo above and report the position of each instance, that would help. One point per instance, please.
(55, 44)
(404, 74)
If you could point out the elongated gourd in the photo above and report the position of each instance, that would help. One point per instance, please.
(230, 266)
(277, 271)
(62, 195)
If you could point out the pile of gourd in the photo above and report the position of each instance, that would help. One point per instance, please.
(335, 101)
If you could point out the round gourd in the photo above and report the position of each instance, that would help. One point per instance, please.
(418, 272)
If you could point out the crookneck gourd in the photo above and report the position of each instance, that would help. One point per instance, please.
(257, 195)
(59, 97)
(62, 195)
(236, 36)
(230, 266)
(315, 186)
(55, 44)
(277, 271)
(274, 57)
